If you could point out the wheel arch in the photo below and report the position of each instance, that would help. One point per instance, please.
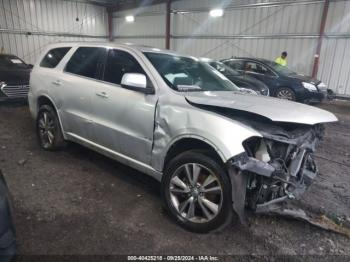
(45, 100)
(184, 144)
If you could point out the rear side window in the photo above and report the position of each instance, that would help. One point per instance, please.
(119, 63)
(54, 56)
(86, 61)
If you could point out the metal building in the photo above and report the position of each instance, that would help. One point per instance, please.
(251, 28)
(247, 28)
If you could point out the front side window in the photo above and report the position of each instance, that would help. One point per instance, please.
(85, 61)
(53, 57)
(119, 63)
(235, 64)
(224, 69)
(257, 68)
(189, 74)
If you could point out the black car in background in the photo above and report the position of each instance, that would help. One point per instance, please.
(282, 82)
(14, 78)
(7, 230)
(239, 79)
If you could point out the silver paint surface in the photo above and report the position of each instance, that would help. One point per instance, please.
(138, 129)
(275, 109)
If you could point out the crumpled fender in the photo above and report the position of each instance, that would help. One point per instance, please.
(173, 123)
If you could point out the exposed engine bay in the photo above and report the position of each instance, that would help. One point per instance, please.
(279, 166)
(276, 167)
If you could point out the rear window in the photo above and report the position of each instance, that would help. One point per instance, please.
(54, 56)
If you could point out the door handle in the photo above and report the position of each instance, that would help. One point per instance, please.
(102, 94)
(57, 83)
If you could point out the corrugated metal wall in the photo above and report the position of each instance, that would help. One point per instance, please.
(27, 26)
(250, 28)
(335, 54)
(263, 31)
(148, 29)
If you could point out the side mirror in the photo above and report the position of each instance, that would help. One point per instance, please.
(137, 82)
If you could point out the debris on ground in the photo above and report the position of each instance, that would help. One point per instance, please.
(22, 161)
(322, 221)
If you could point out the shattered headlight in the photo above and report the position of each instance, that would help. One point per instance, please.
(261, 153)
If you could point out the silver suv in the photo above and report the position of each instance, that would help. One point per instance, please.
(214, 150)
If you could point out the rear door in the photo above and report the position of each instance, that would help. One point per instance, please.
(124, 118)
(79, 82)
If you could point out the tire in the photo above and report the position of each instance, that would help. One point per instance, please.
(48, 129)
(7, 230)
(285, 93)
(187, 203)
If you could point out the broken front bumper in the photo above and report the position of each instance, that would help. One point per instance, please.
(303, 171)
(286, 174)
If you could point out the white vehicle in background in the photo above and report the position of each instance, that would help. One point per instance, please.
(173, 117)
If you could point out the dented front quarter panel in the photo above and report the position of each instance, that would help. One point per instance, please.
(176, 119)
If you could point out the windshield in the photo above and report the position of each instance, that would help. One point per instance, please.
(189, 74)
(280, 69)
(224, 69)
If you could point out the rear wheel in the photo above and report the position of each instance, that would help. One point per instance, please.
(48, 129)
(196, 192)
(285, 93)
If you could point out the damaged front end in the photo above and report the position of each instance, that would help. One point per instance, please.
(276, 167)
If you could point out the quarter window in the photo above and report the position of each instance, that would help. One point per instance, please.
(119, 63)
(85, 61)
(54, 56)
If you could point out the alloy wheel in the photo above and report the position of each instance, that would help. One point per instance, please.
(46, 129)
(285, 94)
(196, 193)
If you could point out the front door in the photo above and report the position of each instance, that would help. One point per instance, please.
(124, 118)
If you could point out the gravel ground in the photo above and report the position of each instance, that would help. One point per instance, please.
(79, 202)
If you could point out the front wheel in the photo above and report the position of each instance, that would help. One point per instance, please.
(285, 93)
(48, 129)
(196, 192)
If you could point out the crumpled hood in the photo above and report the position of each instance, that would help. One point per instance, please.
(277, 110)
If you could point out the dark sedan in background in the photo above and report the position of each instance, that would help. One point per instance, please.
(282, 82)
(239, 79)
(14, 78)
(7, 231)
